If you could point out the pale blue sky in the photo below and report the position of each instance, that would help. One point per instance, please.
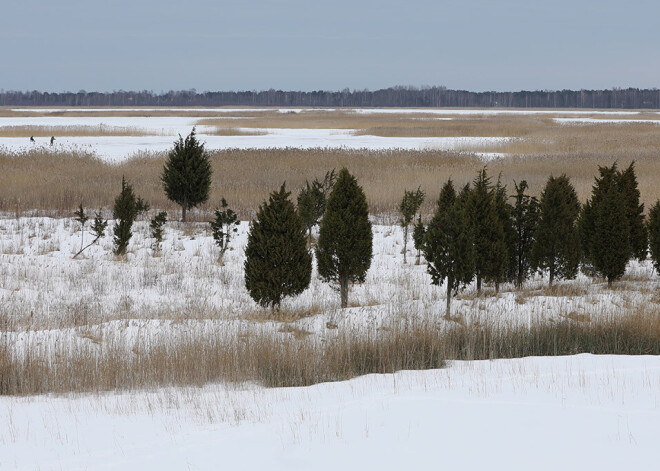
(309, 45)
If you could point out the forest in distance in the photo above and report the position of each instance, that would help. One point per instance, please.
(397, 96)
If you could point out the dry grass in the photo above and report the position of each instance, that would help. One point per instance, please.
(71, 131)
(274, 359)
(297, 360)
(57, 182)
(218, 131)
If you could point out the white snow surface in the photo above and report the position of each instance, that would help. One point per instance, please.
(573, 413)
(162, 131)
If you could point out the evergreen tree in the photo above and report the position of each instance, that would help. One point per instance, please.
(491, 254)
(448, 196)
(418, 238)
(126, 209)
(587, 218)
(408, 207)
(604, 227)
(448, 245)
(277, 263)
(525, 219)
(634, 212)
(505, 215)
(156, 226)
(82, 218)
(611, 245)
(556, 240)
(312, 200)
(654, 234)
(98, 229)
(344, 249)
(224, 225)
(187, 173)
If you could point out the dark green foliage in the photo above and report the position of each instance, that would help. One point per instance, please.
(156, 226)
(408, 207)
(80, 216)
(525, 218)
(344, 248)
(98, 226)
(98, 229)
(638, 235)
(556, 241)
(604, 227)
(418, 238)
(126, 209)
(491, 255)
(224, 224)
(448, 196)
(187, 173)
(312, 200)
(277, 263)
(654, 234)
(505, 215)
(610, 248)
(448, 244)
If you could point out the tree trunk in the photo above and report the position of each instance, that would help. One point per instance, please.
(183, 213)
(309, 237)
(405, 243)
(417, 260)
(343, 289)
(479, 285)
(497, 287)
(552, 275)
(448, 311)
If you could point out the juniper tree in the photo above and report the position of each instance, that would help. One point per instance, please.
(654, 234)
(556, 240)
(156, 226)
(186, 176)
(98, 229)
(126, 209)
(311, 204)
(277, 262)
(525, 218)
(408, 207)
(345, 245)
(489, 239)
(223, 226)
(448, 244)
(604, 227)
(505, 215)
(312, 200)
(418, 238)
(82, 218)
(611, 246)
(638, 236)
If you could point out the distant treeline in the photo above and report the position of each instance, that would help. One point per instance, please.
(388, 97)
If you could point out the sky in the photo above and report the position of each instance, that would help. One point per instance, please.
(478, 45)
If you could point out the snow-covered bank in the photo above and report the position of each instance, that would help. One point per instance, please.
(579, 412)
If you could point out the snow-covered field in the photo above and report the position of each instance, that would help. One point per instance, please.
(160, 131)
(574, 413)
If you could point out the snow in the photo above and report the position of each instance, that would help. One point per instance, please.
(576, 412)
(573, 121)
(119, 148)
(161, 131)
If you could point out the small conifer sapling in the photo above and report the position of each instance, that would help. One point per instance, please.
(157, 231)
(408, 207)
(223, 226)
